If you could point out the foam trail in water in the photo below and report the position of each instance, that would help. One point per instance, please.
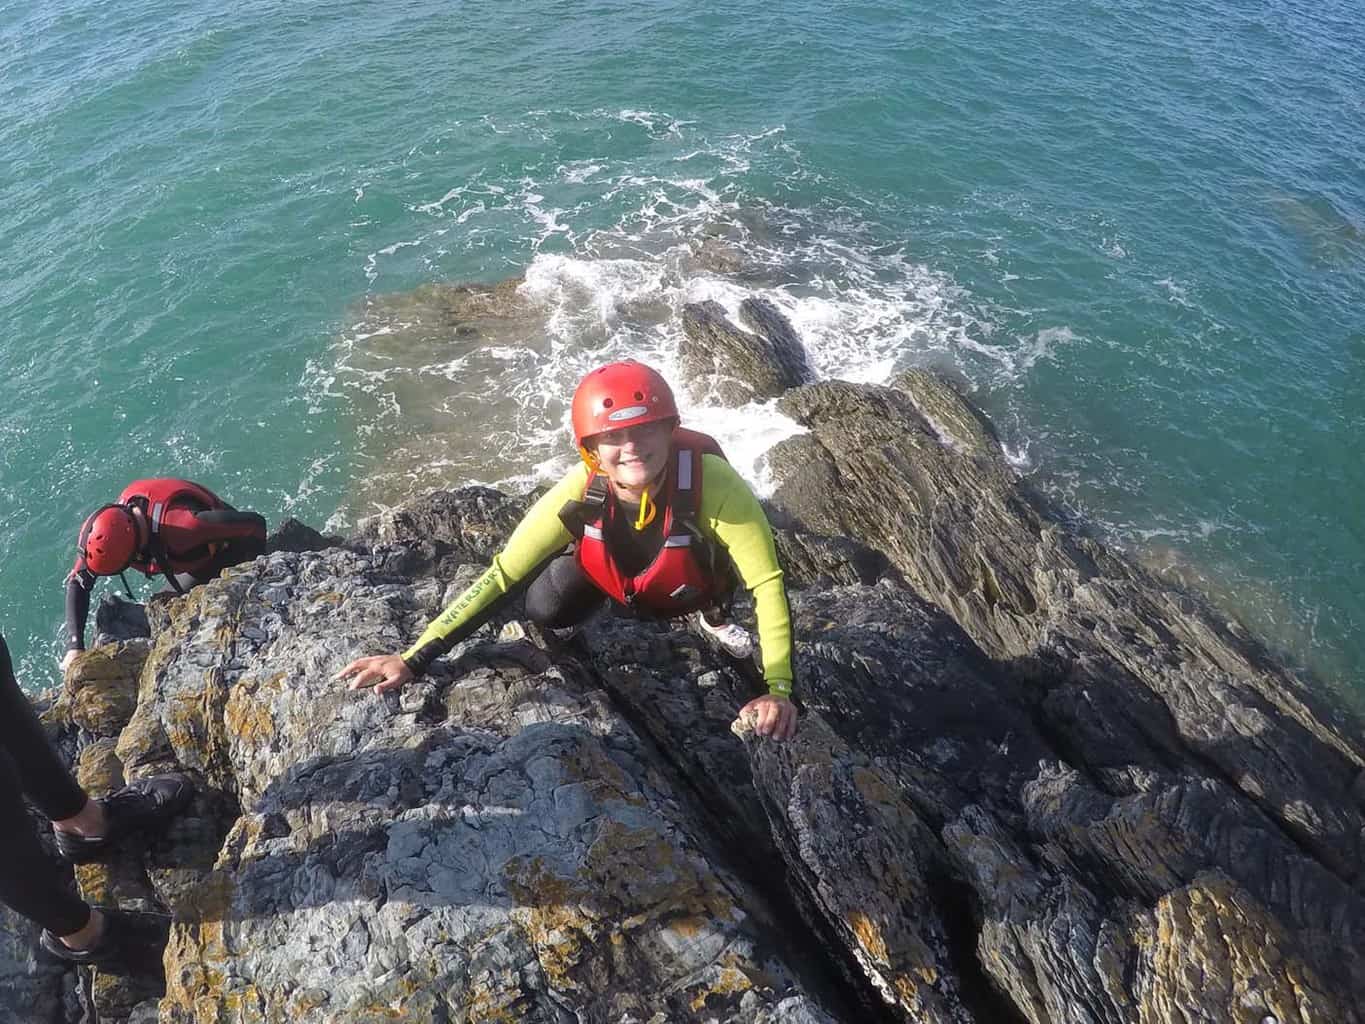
(497, 406)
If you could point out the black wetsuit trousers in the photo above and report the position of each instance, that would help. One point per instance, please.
(234, 552)
(562, 595)
(30, 881)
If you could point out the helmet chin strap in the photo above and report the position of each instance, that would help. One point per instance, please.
(647, 512)
(648, 507)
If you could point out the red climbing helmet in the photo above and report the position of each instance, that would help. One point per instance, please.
(624, 394)
(108, 540)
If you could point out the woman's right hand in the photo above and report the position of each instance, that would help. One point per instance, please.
(382, 671)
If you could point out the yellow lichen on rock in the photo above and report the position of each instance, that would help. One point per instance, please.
(489, 1006)
(905, 988)
(247, 714)
(99, 769)
(730, 981)
(193, 987)
(1210, 946)
(869, 936)
(551, 918)
(100, 691)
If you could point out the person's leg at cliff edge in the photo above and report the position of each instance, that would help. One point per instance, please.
(31, 883)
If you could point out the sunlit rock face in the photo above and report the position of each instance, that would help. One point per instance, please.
(1032, 783)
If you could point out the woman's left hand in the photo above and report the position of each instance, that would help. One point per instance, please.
(772, 716)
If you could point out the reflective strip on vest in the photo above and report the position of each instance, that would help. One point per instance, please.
(678, 540)
(595, 532)
(684, 469)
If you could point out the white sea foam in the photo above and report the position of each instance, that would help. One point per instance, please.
(1176, 292)
(863, 307)
(1113, 247)
(579, 171)
(372, 260)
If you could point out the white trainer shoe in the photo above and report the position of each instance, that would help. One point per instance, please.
(733, 639)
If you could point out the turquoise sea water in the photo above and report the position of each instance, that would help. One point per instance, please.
(1136, 233)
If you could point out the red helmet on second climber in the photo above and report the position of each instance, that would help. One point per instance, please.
(109, 540)
(624, 394)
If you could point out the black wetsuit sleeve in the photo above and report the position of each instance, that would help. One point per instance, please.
(78, 586)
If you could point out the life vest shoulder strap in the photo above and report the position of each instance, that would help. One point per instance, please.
(685, 497)
(160, 495)
(689, 447)
(577, 514)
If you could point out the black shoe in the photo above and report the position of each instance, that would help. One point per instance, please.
(140, 806)
(132, 943)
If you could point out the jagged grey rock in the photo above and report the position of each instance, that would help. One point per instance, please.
(292, 535)
(734, 366)
(492, 842)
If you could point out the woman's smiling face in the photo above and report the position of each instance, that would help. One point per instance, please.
(633, 456)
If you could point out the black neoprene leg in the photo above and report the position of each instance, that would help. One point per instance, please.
(234, 552)
(561, 595)
(30, 881)
(41, 775)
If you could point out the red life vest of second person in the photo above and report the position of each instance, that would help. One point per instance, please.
(681, 578)
(176, 545)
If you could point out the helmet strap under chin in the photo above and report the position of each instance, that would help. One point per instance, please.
(648, 510)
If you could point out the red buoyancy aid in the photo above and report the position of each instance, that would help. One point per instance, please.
(681, 578)
(160, 495)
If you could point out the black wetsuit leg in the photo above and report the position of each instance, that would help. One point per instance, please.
(233, 552)
(561, 595)
(239, 550)
(30, 881)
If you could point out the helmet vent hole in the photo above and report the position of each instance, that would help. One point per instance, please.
(639, 396)
(607, 403)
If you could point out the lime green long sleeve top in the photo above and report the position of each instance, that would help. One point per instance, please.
(729, 515)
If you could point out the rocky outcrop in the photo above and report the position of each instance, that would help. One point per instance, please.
(914, 473)
(1179, 775)
(493, 845)
(1032, 783)
(733, 366)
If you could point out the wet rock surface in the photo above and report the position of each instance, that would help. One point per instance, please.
(1032, 782)
(733, 366)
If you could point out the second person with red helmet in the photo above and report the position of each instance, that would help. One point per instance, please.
(163, 526)
(658, 521)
